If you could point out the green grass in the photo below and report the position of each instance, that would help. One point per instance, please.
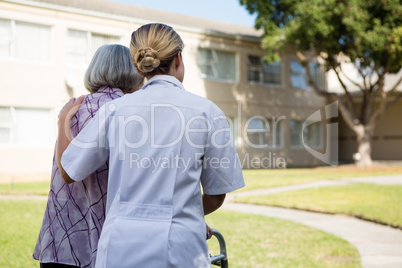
(25, 188)
(266, 178)
(379, 203)
(20, 222)
(258, 241)
(252, 241)
(255, 179)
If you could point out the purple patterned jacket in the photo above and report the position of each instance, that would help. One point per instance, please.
(75, 212)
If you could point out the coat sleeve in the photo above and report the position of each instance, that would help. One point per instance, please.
(222, 171)
(88, 151)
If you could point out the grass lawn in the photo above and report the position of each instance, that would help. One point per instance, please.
(252, 241)
(379, 203)
(20, 221)
(255, 179)
(266, 178)
(25, 188)
(258, 241)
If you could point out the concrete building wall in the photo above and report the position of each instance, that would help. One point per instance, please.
(387, 140)
(30, 84)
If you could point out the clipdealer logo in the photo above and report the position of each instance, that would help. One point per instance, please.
(330, 155)
(114, 133)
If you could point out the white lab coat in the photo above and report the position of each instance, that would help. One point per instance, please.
(162, 142)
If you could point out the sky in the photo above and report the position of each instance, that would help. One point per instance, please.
(220, 10)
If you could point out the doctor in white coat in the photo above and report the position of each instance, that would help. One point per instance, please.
(163, 144)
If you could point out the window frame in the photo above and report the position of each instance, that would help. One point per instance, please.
(268, 130)
(12, 126)
(89, 50)
(12, 43)
(211, 62)
(8, 125)
(260, 69)
(301, 132)
(318, 77)
(301, 73)
(233, 125)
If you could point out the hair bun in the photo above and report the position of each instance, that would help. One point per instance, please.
(147, 59)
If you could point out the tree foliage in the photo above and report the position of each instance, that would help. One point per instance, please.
(367, 33)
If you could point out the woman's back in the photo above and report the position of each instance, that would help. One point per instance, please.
(160, 148)
(75, 213)
(163, 144)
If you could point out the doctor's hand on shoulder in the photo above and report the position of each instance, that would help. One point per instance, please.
(70, 108)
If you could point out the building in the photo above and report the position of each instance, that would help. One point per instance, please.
(386, 144)
(45, 46)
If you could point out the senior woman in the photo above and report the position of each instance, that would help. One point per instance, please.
(75, 213)
(163, 145)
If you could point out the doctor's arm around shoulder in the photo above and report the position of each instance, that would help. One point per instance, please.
(64, 133)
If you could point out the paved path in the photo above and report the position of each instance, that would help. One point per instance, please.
(383, 180)
(37, 197)
(378, 245)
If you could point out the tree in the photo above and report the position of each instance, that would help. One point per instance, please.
(364, 33)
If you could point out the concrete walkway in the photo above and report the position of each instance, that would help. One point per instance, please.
(378, 245)
(383, 180)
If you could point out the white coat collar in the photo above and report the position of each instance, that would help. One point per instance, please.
(168, 78)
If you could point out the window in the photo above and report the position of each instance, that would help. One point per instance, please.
(217, 64)
(318, 74)
(25, 41)
(262, 133)
(25, 126)
(261, 72)
(82, 45)
(233, 128)
(299, 77)
(5, 125)
(5, 38)
(312, 134)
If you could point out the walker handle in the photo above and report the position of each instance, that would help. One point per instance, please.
(221, 259)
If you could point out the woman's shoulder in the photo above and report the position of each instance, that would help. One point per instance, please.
(96, 100)
(201, 103)
(91, 104)
(106, 93)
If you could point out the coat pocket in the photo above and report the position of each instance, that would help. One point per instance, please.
(145, 212)
(140, 236)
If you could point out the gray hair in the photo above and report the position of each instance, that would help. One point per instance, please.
(112, 66)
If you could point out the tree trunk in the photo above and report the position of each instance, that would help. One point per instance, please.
(363, 155)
